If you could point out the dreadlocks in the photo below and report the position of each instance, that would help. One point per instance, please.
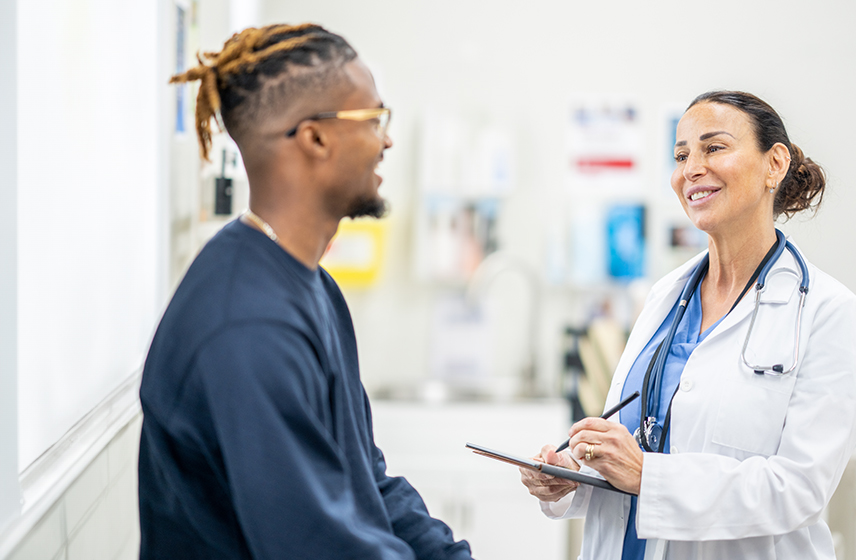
(258, 70)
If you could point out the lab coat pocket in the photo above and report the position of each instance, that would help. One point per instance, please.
(751, 415)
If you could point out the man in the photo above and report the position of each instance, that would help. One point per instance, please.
(257, 438)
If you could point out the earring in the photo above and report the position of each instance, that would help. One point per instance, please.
(773, 189)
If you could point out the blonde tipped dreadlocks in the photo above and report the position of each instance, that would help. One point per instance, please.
(230, 78)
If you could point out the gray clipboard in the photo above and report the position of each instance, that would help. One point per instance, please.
(552, 470)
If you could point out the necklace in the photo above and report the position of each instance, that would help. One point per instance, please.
(263, 225)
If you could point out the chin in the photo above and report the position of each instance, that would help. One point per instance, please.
(373, 207)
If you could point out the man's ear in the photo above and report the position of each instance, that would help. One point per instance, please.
(313, 140)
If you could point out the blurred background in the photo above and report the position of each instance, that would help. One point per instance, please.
(531, 213)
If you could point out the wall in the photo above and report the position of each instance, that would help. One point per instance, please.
(88, 195)
(83, 253)
(9, 492)
(97, 517)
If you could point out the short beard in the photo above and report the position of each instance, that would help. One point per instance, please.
(374, 207)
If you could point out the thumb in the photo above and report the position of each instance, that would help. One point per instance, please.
(561, 459)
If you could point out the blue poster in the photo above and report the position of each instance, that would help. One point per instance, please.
(625, 232)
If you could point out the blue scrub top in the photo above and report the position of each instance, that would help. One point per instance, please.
(687, 337)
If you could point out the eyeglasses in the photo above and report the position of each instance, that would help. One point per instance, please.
(382, 114)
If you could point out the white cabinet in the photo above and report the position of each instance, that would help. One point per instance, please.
(482, 500)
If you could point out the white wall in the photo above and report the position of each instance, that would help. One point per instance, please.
(97, 517)
(9, 490)
(87, 197)
(520, 63)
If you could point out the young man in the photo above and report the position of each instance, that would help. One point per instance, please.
(257, 438)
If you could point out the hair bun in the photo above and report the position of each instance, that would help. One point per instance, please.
(803, 186)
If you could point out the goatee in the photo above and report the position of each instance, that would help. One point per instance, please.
(374, 207)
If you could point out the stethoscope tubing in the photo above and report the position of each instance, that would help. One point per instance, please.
(652, 406)
(660, 362)
(778, 370)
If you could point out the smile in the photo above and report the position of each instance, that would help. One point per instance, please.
(702, 195)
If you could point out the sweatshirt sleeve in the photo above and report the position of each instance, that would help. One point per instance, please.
(287, 476)
(430, 538)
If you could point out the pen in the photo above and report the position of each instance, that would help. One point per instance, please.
(605, 415)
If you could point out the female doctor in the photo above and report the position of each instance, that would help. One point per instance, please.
(744, 440)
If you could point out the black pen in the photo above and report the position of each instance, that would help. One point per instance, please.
(605, 415)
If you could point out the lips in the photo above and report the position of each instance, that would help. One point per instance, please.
(377, 164)
(701, 194)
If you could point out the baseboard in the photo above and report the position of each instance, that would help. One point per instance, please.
(46, 480)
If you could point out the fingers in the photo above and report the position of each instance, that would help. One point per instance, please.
(610, 449)
(594, 431)
(592, 425)
(546, 488)
(543, 486)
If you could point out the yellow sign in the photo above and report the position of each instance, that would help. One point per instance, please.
(355, 255)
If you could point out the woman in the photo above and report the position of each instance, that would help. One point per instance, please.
(749, 458)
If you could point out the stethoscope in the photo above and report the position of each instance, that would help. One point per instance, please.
(651, 435)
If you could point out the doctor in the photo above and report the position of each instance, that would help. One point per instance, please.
(748, 460)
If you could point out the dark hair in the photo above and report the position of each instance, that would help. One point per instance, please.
(289, 60)
(803, 185)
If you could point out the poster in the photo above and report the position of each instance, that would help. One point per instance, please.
(603, 139)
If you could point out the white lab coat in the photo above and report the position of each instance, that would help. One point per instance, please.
(754, 459)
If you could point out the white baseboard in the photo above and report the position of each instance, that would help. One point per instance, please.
(46, 480)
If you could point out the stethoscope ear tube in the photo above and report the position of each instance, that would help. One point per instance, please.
(650, 435)
(778, 370)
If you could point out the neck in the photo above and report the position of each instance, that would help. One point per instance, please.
(734, 257)
(303, 232)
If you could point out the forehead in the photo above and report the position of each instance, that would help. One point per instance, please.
(711, 117)
(364, 94)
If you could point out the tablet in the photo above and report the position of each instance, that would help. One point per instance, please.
(552, 470)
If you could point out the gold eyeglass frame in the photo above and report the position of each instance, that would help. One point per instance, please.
(352, 115)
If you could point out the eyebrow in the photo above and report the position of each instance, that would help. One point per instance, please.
(705, 136)
(712, 134)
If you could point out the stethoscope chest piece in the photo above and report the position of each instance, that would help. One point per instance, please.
(653, 433)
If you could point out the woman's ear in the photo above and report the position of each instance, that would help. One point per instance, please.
(780, 161)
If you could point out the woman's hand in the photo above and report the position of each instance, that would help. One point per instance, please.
(545, 487)
(615, 453)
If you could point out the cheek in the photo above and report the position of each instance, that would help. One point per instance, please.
(677, 183)
(746, 182)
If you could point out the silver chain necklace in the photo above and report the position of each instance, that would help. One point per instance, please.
(263, 225)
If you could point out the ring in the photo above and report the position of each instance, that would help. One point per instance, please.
(589, 452)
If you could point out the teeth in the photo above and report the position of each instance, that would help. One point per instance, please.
(698, 195)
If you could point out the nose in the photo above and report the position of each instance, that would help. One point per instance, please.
(387, 142)
(694, 166)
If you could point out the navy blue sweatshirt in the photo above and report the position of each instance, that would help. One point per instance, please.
(257, 437)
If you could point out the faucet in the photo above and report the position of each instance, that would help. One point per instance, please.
(491, 267)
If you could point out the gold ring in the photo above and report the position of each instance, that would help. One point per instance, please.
(589, 452)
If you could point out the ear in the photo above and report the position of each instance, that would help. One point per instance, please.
(780, 162)
(313, 140)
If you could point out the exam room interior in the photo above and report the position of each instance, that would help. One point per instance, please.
(514, 71)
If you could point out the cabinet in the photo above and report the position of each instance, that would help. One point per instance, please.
(482, 500)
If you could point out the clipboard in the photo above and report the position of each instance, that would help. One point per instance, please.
(552, 470)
